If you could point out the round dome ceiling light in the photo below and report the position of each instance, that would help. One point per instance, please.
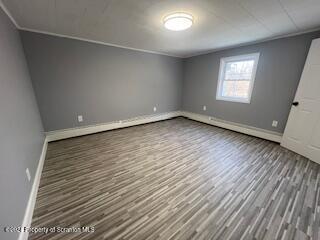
(178, 21)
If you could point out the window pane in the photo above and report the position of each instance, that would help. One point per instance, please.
(236, 77)
(236, 89)
(241, 70)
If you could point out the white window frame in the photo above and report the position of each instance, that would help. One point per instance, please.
(223, 63)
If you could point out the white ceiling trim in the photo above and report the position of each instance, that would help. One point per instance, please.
(97, 42)
(254, 42)
(4, 8)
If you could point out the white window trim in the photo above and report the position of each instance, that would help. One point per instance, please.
(223, 62)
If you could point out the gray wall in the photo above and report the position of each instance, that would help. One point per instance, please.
(280, 66)
(21, 133)
(105, 83)
(100, 82)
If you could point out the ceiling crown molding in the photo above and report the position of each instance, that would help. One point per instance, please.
(98, 42)
(5, 9)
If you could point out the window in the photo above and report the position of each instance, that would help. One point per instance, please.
(236, 78)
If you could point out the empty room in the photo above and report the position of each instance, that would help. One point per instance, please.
(160, 119)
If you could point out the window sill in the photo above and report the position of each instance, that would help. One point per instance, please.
(237, 100)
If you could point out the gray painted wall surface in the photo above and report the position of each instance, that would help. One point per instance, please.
(100, 82)
(21, 133)
(280, 66)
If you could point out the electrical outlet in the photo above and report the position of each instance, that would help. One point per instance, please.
(28, 174)
(154, 109)
(80, 118)
(274, 123)
(204, 108)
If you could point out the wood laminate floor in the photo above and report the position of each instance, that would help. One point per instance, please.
(177, 179)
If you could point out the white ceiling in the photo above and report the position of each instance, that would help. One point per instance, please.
(138, 23)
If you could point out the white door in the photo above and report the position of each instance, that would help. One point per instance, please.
(302, 133)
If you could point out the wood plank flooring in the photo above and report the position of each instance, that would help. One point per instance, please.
(177, 179)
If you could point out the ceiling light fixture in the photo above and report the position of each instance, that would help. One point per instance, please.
(178, 21)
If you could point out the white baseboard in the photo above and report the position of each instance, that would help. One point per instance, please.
(33, 195)
(257, 132)
(80, 131)
(75, 132)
